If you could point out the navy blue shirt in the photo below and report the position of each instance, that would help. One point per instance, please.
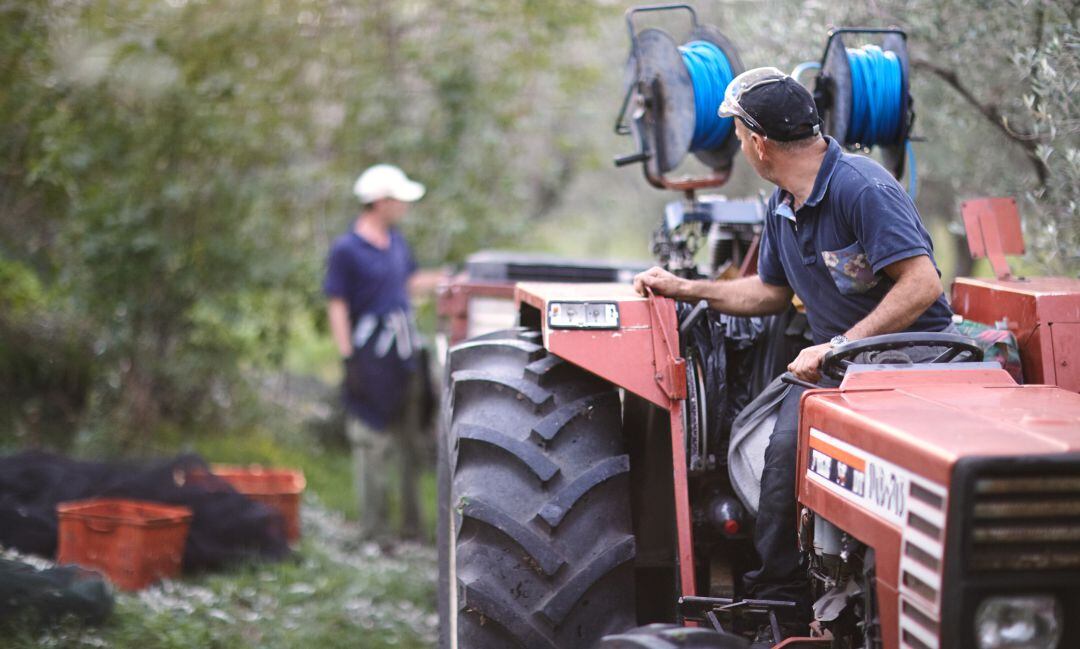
(833, 249)
(374, 284)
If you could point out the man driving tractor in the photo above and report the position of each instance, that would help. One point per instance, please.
(842, 234)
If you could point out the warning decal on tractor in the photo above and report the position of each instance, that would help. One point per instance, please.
(838, 467)
(880, 486)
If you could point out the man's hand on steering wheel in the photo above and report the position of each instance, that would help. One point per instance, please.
(946, 347)
(808, 363)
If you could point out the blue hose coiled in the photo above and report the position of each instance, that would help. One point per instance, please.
(710, 74)
(877, 86)
(876, 97)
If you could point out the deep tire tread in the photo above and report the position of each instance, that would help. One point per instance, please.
(557, 607)
(524, 389)
(474, 596)
(551, 425)
(567, 497)
(527, 433)
(532, 543)
(548, 370)
(510, 347)
(515, 333)
(532, 457)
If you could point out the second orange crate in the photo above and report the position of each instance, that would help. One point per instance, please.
(276, 487)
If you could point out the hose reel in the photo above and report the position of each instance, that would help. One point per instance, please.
(668, 106)
(863, 96)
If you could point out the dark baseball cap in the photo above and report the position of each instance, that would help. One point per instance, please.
(772, 104)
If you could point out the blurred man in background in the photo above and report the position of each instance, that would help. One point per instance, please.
(369, 278)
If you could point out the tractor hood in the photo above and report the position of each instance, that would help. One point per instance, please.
(927, 419)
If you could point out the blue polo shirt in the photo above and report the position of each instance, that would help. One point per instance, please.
(374, 283)
(833, 249)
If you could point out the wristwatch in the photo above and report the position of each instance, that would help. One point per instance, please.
(838, 340)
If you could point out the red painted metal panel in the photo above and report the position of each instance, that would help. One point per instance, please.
(1066, 359)
(923, 421)
(892, 379)
(1029, 308)
(641, 356)
(1005, 216)
(682, 503)
(1052, 299)
(671, 368)
(453, 302)
(926, 428)
(889, 615)
(627, 356)
(623, 357)
(993, 229)
(1031, 358)
(869, 529)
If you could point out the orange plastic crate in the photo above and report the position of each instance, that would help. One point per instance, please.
(279, 488)
(134, 543)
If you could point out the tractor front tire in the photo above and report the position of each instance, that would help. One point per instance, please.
(538, 549)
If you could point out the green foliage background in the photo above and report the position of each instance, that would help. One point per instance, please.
(171, 172)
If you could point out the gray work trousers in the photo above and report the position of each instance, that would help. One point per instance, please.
(381, 457)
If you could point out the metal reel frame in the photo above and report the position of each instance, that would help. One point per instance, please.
(832, 90)
(660, 99)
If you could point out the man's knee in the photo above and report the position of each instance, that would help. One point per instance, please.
(778, 477)
(781, 449)
(785, 435)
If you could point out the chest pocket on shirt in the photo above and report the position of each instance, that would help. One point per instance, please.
(850, 269)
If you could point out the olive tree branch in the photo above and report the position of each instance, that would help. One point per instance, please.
(992, 112)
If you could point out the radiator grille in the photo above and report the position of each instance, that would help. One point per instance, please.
(1026, 523)
(920, 566)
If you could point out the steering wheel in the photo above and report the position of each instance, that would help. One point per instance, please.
(838, 359)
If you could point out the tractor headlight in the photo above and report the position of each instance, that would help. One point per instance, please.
(1027, 622)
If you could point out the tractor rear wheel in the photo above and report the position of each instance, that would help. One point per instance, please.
(671, 636)
(537, 550)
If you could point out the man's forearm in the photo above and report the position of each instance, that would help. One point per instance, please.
(423, 283)
(338, 314)
(746, 296)
(900, 307)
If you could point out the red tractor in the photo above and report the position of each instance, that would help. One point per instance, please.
(587, 492)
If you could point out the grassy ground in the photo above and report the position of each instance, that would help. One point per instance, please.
(336, 592)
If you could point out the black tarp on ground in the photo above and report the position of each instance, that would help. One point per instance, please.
(50, 594)
(226, 528)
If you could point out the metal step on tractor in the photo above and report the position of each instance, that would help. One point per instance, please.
(588, 493)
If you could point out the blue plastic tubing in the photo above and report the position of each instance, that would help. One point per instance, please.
(876, 103)
(710, 74)
(877, 86)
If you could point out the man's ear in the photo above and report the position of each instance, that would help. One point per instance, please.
(759, 145)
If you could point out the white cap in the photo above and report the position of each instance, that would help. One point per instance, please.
(386, 181)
